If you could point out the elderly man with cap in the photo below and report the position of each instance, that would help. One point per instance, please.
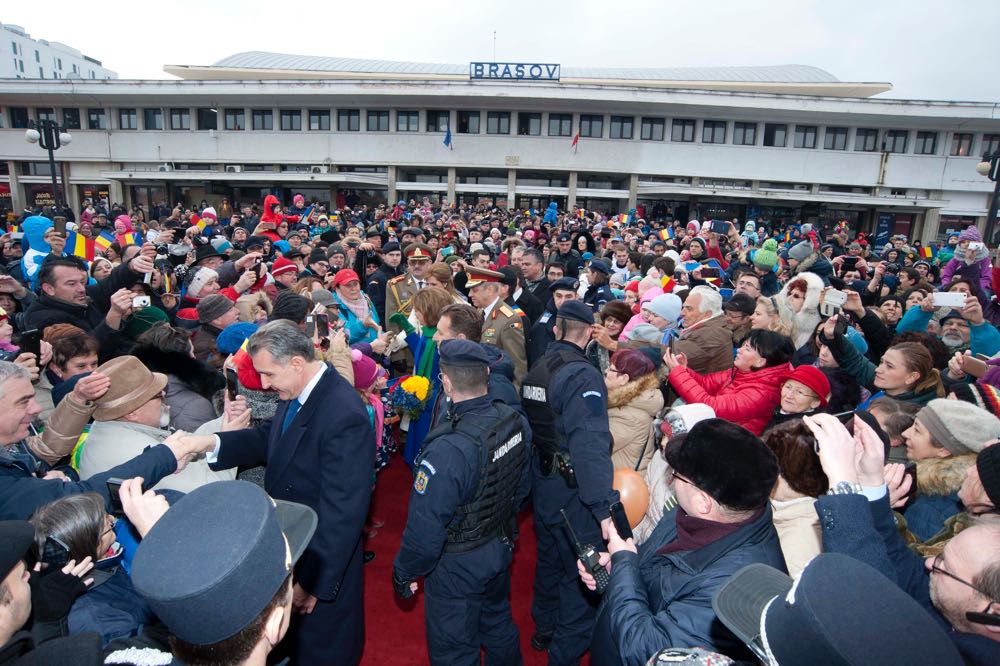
(221, 581)
(660, 593)
(471, 479)
(131, 417)
(400, 290)
(504, 325)
(541, 333)
(215, 312)
(378, 282)
(567, 256)
(318, 450)
(565, 398)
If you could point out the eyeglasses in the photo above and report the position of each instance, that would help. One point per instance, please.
(674, 476)
(110, 521)
(936, 568)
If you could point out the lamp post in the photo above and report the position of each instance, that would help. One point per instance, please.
(51, 137)
(990, 167)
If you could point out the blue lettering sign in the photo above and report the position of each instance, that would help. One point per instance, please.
(514, 71)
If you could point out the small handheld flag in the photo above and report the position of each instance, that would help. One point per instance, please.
(927, 252)
(80, 246)
(105, 240)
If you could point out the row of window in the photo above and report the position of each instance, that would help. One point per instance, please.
(777, 135)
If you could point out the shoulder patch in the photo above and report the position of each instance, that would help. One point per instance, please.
(517, 325)
(505, 310)
(397, 278)
(545, 317)
(429, 466)
(420, 483)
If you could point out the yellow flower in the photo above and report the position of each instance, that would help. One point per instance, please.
(417, 385)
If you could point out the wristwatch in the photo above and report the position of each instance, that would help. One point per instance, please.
(845, 488)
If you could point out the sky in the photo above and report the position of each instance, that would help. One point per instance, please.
(927, 49)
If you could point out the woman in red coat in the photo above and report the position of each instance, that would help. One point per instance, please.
(745, 395)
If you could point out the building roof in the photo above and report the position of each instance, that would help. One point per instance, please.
(784, 79)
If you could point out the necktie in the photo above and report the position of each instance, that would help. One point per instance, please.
(293, 409)
(420, 284)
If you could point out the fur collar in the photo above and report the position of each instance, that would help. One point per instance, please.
(198, 375)
(943, 476)
(808, 318)
(623, 395)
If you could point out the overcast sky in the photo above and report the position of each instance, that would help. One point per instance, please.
(927, 49)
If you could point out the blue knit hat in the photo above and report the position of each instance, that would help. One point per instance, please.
(233, 336)
(283, 246)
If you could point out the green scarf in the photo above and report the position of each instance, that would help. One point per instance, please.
(425, 364)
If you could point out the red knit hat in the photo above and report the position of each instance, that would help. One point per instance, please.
(282, 265)
(632, 286)
(814, 379)
(247, 374)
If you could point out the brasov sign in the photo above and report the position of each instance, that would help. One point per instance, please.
(514, 71)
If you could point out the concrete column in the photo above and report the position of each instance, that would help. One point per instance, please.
(932, 224)
(334, 191)
(17, 198)
(116, 192)
(633, 190)
(571, 190)
(511, 188)
(391, 191)
(452, 179)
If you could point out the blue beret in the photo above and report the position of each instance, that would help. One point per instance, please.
(232, 337)
(464, 353)
(576, 311)
(599, 266)
(564, 283)
(208, 570)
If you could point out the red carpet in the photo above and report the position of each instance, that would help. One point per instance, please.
(395, 629)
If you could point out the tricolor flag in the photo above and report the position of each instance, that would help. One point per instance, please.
(927, 252)
(667, 234)
(241, 353)
(788, 236)
(80, 246)
(575, 142)
(623, 218)
(13, 229)
(198, 222)
(105, 240)
(308, 215)
(667, 283)
(134, 238)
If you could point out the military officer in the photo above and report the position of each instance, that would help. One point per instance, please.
(565, 398)
(399, 295)
(503, 325)
(472, 475)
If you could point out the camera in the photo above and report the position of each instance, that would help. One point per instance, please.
(162, 250)
(140, 302)
(892, 268)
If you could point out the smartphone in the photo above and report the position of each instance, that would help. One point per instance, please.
(55, 553)
(840, 328)
(720, 227)
(620, 519)
(447, 251)
(232, 383)
(834, 297)
(948, 299)
(845, 417)
(709, 273)
(310, 325)
(911, 471)
(322, 325)
(114, 485)
(974, 246)
(850, 262)
(31, 343)
(59, 224)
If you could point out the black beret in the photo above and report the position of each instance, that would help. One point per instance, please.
(391, 246)
(564, 284)
(463, 353)
(576, 311)
(16, 537)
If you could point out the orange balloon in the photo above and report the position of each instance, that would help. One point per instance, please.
(634, 493)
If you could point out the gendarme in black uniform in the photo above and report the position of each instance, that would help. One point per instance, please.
(572, 260)
(471, 477)
(565, 398)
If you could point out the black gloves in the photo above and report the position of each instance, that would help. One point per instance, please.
(402, 587)
(53, 594)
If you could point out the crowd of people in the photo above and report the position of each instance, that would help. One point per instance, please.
(739, 442)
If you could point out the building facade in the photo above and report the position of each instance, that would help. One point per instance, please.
(29, 58)
(779, 144)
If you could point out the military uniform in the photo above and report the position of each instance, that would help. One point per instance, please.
(504, 328)
(399, 298)
(472, 475)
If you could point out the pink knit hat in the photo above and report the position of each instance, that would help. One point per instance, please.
(365, 370)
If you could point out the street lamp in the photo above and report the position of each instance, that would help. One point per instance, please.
(51, 137)
(990, 167)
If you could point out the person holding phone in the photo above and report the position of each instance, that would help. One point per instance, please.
(971, 261)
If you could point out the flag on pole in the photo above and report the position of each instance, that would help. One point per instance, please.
(308, 215)
(80, 246)
(104, 240)
(447, 137)
(576, 141)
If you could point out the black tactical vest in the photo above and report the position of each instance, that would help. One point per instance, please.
(502, 445)
(535, 397)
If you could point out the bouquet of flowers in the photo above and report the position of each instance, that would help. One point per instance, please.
(409, 395)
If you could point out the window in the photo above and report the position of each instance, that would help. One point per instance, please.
(805, 136)
(651, 129)
(18, 117)
(38, 57)
(591, 126)
(46, 114)
(926, 143)
(407, 121)
(560, 124)
(713, 131)
(378, 121)
(180, 119)
(621, 127)
(895, 141)
(775, 135)
(835, 139)
(41, 72)
(291, 120)
(262, 119)
(682, 130)
(468, 122)
(13, 46)
(745, 134)
(348, 120)
(991, 143)
(437, 121)
(128, 119)
(319, 120)
(498, 122)
(208, 119)
(235, 119)
(59, 64)
(97, 119)
(961, 144)
(71, 118)
(866, 140)
(529, 124)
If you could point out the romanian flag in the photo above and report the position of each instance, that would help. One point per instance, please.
(241, 353)
(667, 283)
(134, 238)
(927, 252)
(80, 246)
(198, 222)
(667, 234)
(788, 236)
(624, 218)
(308, 215)
(105, 240)
(13, 229)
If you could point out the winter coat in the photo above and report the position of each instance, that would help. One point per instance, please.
(656, 600)
(661, 497)
(111, 606)
(631, 410)
(745, 398)
(938, 483)
(980, 271)
(708, 345)
(205, 349)
(112, 443)
(816, 264)
(805, 321)
(799, 532)
(191, 385)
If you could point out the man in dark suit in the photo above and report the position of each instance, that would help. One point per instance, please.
(318, 450)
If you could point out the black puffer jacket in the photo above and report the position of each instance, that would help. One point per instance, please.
(191, 385)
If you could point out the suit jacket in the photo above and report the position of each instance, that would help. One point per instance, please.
(324, 460)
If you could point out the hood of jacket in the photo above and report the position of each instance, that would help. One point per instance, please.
(943, 476)
(197, 375)
(266, 215)
(808, 318)
(641, 393)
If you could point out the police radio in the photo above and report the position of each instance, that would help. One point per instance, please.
(588, 556)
